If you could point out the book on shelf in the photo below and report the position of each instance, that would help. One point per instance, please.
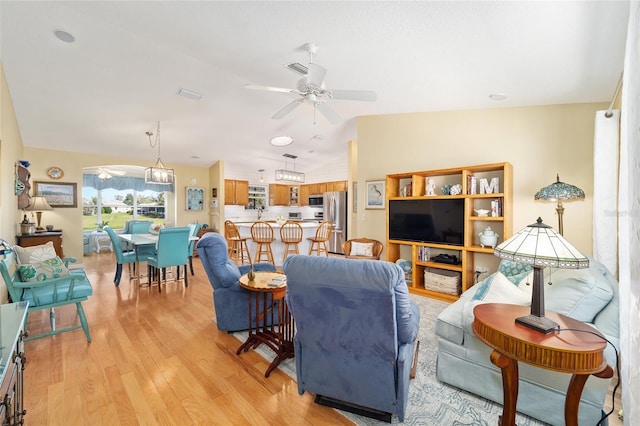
(471, 184)
(424, 254)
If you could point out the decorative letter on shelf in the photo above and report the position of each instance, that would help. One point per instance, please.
(486, 188)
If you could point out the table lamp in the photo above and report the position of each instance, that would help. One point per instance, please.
(540, 246)
(39, 204)
(559, 191)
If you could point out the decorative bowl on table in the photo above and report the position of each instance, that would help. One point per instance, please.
(482, 212)
(405, 265)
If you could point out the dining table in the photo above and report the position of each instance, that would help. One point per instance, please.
(142, 240)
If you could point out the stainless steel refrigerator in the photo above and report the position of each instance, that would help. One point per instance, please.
(335, 211)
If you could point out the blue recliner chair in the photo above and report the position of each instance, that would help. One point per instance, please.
(229, 299)
(356, 330)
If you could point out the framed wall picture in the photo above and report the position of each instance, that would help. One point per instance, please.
(195, 198)
(374, 194)
(58, 194)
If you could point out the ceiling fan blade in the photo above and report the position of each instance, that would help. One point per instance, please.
(287, 109)
(315, 76)
(116, 172)
(328, 112)
(354, 95)
(270, 88)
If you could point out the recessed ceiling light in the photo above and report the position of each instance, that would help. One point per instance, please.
(195, 157)
(281, 141)
(190, 94)
(498, 96)
(64, 36)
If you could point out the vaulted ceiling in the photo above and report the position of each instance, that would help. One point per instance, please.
(103, 91)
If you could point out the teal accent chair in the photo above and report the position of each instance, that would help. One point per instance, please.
(139, 227)
(171, 251)
(122, 257)
(72, 289)
(194, 228)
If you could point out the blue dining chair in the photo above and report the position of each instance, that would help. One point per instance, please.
(194, 228)
(122, 257)
(171, 251)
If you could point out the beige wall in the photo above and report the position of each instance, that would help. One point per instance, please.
(72, 163)
(538, 141)
(10, 153)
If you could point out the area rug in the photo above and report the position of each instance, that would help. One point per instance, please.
(430, 402)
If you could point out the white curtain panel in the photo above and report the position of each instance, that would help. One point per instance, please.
(605, 195)
(629, 222)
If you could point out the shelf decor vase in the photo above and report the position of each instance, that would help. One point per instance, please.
(488, 238)
(251, 274)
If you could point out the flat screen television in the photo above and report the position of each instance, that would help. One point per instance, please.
(437, 220)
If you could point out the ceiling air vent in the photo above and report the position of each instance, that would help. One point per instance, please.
(297, 67)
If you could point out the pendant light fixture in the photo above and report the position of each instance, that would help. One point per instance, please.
(290, 175)
(158, 174)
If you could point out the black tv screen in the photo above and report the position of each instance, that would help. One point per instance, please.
(438, 220)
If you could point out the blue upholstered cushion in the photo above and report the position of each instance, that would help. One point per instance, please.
(37, 296)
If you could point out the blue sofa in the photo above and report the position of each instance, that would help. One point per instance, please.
(588, 295)
(229, 299)
(355, 330)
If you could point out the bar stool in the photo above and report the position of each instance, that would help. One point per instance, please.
(291, 236)
(262, 235)
(319, 242)
(238, 249)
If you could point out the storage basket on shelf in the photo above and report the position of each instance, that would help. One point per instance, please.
(442, 281)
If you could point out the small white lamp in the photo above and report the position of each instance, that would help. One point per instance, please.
(39, 204)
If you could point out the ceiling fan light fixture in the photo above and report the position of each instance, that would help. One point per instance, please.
(281, 141)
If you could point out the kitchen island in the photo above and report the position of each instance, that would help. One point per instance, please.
(277, 247)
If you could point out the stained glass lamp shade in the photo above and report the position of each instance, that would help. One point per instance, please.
(559, 191)
(540, 246)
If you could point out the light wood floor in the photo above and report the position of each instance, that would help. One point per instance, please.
(154, 359)
(157, 359)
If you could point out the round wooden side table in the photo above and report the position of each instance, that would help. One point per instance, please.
(579, 351)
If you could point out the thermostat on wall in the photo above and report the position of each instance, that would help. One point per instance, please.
(214, 203)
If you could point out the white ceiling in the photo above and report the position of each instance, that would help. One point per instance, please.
(101, 93)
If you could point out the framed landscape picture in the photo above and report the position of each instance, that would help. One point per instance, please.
(58, 194)
(374, 194)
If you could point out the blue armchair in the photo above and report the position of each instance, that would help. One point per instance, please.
(229, 299)
(355, 331)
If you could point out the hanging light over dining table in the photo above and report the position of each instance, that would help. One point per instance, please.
(158, 174)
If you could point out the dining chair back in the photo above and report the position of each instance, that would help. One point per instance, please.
(194, 228)
(319, 241)
(291, 236)
(122, 257)
(262, 235)
(171, 251)
(237, 245)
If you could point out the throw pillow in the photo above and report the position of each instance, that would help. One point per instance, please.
(361, 249)
(41, 271)
(35, 253)
(510, 268)
(577, 293)
(498, 289)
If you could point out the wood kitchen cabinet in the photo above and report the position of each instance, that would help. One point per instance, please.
(339, 185)
(278, 194)
(294, 195)
(304, 195)
(40, 238)
(236, 192)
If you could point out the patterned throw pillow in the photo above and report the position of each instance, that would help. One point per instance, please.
(361, 249)
(514, 271)
(35, 253)
(498, 289)
(41, 271)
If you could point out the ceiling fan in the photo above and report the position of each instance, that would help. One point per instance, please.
(104, 173)
(311, 89)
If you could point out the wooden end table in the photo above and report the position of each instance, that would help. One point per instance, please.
(274, 324)
(580, 353)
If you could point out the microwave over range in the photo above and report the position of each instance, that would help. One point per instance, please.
(316, 200)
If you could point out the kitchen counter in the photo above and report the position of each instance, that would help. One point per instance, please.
(308, 231)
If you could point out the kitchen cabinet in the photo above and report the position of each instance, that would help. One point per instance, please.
(236, 192)
(313, 189)
(339, 185)
(304, 195)
(278, 194)
(322, 187)
(294, 195)
(40, 238)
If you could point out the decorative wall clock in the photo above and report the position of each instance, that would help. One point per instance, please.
(55, 172)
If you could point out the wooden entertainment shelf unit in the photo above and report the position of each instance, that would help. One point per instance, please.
(413, 186)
